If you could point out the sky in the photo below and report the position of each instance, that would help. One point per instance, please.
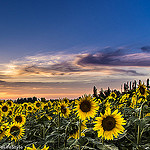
(57, 49)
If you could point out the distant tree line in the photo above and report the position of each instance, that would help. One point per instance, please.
(129, 87)
(27, 100)
(104, 94)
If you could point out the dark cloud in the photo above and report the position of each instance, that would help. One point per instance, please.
(30, 85)
(130, 72)
(2, 82)
(109, 51)
(115, 58)
(107, 57)
(30, 69)
(65, 67)
(145, 48)
(56, 69)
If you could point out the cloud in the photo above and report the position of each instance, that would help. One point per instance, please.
(58, 68)
(145, 48)
(107, 62)
(130, 72)
(5, 77)
(68, 69)
(115, 58)
(35, 84)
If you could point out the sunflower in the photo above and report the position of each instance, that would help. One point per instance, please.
(124, 100)
(19, 108)
(113, 95)
(108, 105)
(29, 148)
(16, 131)
(148, 114)
(10, 113)
(10, 103)
(29, 108)
(37, 105)
(86, 107)
(45, 148)
(46, 106)
(65, 100)
(4, 109)
(48, 117)
(25, 105)
(5, 125)
(136, 102)
(74, 131)
(2, 101)
(1, 117)
(109, 124)
(50, 104)
(64, 111)
(19, 118)
(2, 132)
(141, 90)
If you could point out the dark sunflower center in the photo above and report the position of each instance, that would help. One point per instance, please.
(108, 123)
(9, 103)
(45, 107)
(14, 130)
(18, 119)
(142, 90)
(25, 105)
(4, 108)
(29, 108)
(85, 106)
(10, 113)
(38, 104)
(63, 109)
(113, 95)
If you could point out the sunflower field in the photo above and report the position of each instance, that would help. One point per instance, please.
(114, 121)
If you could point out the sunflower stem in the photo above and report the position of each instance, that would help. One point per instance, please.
(147, 125)
(138, 136)
(44, 131)
(135, 107)
(80, 132)
(124, 112)
(66, 130)
(103, 141)
(139, 126)
(58, 128)
(18, 145)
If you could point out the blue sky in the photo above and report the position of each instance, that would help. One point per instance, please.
(51, 44)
